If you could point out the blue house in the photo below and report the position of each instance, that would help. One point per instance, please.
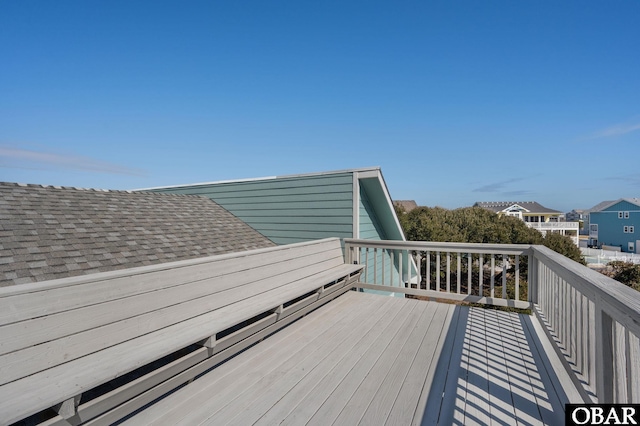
(617, 224)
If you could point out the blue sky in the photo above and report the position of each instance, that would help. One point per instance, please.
(457, 101)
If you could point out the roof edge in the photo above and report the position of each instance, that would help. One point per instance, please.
(633, 201)
(75, 188)
(333, 172)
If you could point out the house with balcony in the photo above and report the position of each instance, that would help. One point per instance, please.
(617, 225)
(145, 308)
(535, 216)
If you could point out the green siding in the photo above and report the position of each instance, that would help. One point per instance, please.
(286, 210)
(370, 227)
(385, 267)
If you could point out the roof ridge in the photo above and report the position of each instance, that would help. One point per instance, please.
(113, 191)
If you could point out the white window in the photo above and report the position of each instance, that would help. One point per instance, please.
(631, 247)
(631, 230)
(619, 215)
(626, 230)
(626, 215)
(593, 227)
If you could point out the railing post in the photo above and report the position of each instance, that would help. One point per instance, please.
(532, 278)
(348, 253)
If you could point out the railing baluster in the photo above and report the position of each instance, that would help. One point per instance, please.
(592, 341)
(480, 268)
(419, 266)
(437, 271)
(493, 275)
(566, 298)
(375, 265)
(469, 272)
(459, 272)
(619, 356)
(575, 328)
(384, 261)
(448, 272)
(400, 257)
(428, 260)
(409, 271)
(517, 295)
(366, 264)
(504, 276)
(634, 372)
(391, 267)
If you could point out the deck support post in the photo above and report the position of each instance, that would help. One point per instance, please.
(278, 311)
(210, 344)
(69, 407)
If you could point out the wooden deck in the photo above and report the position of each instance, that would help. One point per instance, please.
(369, 359)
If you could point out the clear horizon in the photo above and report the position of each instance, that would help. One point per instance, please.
(457, 102)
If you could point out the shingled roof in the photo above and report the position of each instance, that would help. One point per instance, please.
(56, 232)
(498, 206)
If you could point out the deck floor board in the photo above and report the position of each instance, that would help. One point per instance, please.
(370, 359)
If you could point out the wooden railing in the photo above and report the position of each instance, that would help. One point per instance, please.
(479, 273)
(573, 226)
(592, 321)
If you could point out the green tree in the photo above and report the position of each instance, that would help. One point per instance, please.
(563, 245)
(478, 225)
(625, 272)
(401, 214)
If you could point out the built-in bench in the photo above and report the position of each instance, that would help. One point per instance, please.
(99, 347)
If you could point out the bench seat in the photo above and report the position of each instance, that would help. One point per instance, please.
(61, 338)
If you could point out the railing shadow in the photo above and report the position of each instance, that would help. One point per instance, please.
(492, 370)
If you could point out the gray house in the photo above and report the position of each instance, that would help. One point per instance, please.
(289, 209)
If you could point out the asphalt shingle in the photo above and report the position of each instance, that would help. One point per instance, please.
(52, 232)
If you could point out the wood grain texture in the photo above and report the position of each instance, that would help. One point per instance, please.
(89, 331)
(378, 360)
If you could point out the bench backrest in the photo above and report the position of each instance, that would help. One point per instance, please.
(63, 337)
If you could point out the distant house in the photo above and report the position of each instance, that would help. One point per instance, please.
(575, 215)
(528, 211)
(406, 205)
(56, 232)
(535, 216)
(617, 224)
(580, 216)
(289, 209)
(596, 208)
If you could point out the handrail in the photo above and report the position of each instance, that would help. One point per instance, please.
(592, 321)
(520, 249)
(554, 225)
(469, 272)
